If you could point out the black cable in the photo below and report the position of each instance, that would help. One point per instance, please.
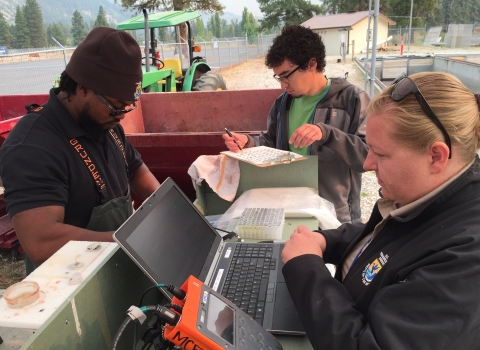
(164, 316)
(140, 304)
(144, 347)
(176, 307)
(145, 293)
(231, 234)
(177, 292)
(125, 324)
(119, 332)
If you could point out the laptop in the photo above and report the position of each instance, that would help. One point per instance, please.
(169, 239)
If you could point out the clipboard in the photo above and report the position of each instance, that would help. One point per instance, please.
(263, 156)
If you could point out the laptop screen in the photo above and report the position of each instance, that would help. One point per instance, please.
(169, 238)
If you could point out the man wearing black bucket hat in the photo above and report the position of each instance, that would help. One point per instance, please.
(67, 167)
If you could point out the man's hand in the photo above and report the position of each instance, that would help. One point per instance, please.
(305, 135)
(241, 140)
(303, 241)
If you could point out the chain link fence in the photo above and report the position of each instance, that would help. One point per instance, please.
(418, 36)
(33, 71)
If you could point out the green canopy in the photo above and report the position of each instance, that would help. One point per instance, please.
(159, 19)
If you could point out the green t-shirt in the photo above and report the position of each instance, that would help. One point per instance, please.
(301, 112)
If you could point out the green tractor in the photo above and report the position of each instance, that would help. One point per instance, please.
(162, 74)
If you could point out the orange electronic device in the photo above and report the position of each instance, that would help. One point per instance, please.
(209, 321)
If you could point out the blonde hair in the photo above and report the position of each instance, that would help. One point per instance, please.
(455, 106)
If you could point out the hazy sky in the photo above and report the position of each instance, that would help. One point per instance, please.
(236, 6)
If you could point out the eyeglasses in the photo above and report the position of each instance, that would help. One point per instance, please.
(404, 86)
(284, 79)
(114, 112)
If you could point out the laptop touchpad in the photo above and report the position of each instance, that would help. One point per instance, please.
(285, 314)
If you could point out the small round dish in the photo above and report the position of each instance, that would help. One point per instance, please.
(21, 294)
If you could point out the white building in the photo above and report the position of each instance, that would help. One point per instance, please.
(350, 27)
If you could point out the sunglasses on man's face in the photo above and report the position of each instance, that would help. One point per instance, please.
(403, 87)
(114, 112)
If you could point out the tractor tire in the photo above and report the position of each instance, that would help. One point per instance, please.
(209, 81)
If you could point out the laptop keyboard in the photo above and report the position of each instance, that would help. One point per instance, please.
(246, 283)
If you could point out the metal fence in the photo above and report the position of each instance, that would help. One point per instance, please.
(465, 66)
(33, 72)
(29, 50)
(418, 35)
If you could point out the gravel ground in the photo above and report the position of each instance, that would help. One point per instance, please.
(10, 271)
(253, 74)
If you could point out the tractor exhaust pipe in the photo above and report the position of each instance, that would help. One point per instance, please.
(147, 41)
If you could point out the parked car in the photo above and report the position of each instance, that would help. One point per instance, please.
(3, 50)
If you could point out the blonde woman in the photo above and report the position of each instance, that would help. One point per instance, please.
(410, 277)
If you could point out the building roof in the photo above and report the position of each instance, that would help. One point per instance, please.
(340, 20)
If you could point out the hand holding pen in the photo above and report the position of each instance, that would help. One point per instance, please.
(230, 138)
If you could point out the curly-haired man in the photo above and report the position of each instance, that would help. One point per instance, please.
(315, 115)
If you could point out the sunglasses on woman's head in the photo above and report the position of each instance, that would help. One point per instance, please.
(403, 87)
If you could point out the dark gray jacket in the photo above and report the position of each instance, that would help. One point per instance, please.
(424, 292)
(342, 149)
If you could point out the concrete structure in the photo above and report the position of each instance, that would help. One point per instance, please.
(352, 27)
(433, 36)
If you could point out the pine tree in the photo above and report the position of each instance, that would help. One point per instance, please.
(236, 28)
(67, 34)
(244, 21)
(162, 34)
(211, 25)
(6, 37)
(287, 12)
(101, 20)
(251, 28)
(12, 32)
(34, 20)
(223, 23)
(22, 38)
(248, 25)
(55, 30)
(78, 28)
(217, 25)
(200, 27)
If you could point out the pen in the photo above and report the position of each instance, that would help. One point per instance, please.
(230, 134)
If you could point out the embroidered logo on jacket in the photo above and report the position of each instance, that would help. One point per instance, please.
(138, 91)
(372, 269)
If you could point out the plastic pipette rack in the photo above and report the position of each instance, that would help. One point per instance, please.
(261, 223)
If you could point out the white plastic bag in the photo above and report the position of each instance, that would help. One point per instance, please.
(296, 201)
